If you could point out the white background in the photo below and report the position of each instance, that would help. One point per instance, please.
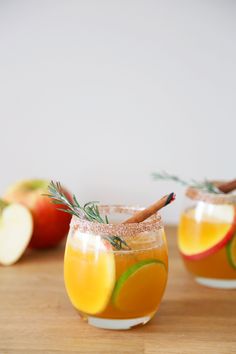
(99, 94)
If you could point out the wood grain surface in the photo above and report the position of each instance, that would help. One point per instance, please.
(37, 317)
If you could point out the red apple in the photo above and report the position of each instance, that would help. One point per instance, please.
(50, 224)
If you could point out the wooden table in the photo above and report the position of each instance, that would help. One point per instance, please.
(37, 317)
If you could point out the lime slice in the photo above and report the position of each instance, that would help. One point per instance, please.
(140, 286)
(231, 252)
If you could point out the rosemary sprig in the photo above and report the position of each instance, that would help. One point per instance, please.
(89, 211)
(205, 185)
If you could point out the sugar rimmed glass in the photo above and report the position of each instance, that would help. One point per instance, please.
(207, 237)
(116, 288)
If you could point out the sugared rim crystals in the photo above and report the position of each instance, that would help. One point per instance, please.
(123, 230)
(211, 198)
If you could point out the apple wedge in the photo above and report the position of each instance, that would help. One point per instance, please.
(205, 230)
(50, 224)
(16, 227)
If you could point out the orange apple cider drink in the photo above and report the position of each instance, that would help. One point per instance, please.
(115, 274)
(207, 238)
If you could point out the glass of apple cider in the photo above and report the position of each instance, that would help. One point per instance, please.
(115, 274)
(207, 237)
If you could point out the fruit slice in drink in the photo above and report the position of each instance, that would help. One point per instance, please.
(89, 273)
(206, 229)
(145, 280)
(231, 252)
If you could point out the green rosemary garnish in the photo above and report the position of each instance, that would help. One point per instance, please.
(89, 211)
(205, 185)
(118, 243)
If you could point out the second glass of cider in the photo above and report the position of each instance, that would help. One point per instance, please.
(207, 237)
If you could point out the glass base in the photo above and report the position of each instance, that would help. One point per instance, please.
(118, 324)
(217, 283)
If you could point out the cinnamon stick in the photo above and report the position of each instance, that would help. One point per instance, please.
(228, 186)
(146, 213)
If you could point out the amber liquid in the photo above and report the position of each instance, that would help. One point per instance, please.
(142, 296)
(215, 265)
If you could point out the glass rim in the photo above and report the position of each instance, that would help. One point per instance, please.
(211, 198)
(153, 223)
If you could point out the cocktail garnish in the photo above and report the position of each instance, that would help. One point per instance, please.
(205, 185)
(88, 212)
(152, 209)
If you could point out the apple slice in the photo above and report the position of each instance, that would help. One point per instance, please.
(16, 227)
(205, 229)
(50, 224)
(89, 272)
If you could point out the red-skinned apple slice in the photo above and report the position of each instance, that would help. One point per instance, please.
(16, 226)
(199, 234)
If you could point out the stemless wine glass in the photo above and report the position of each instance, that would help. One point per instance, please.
(115, 274)
(207, 237)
